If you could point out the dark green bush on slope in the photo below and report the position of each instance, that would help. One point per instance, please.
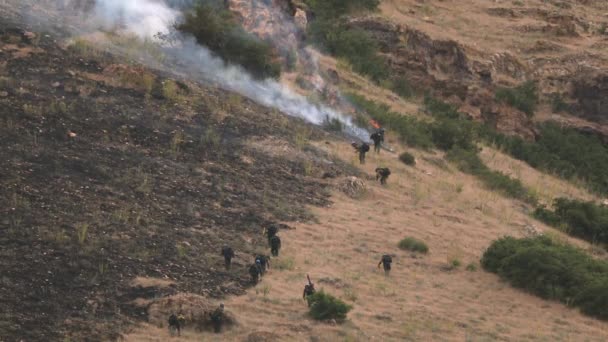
(407, 158)
(586, 220)
(414, 245)
(217, 28)
(552, 271)
(324, 306)
(330, 31)
(523, 97)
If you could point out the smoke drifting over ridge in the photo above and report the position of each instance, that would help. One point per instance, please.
(148, 18)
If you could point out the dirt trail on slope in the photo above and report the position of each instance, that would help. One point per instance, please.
(422, 300)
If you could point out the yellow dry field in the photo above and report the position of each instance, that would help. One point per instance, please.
(422, 300)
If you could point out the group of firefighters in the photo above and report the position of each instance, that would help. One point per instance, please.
(262, 262)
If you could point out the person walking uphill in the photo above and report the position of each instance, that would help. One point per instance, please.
(382, 174)
(362, 150)
(254, 272)
(271, 231)
(228, 254)
(275, 245)
(217, 318)
(386, 263)
(378, 138)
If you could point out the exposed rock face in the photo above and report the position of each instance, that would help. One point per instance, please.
(443, 68)
(272, 20)
(591, 93)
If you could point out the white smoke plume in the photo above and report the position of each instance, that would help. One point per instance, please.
(148, 18)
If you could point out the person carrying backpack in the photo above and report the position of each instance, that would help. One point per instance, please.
(386, 263)
(228, 254)
(275, 245)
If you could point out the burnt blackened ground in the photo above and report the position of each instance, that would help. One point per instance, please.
(101, 183)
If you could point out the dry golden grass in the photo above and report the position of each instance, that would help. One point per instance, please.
(421, 300)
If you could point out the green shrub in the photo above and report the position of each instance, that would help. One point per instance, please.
(471, 267)
(414, 245)
(558, 104)
(449, 133)
(352, 44)
(523, 97)
(585, 220)
(217, 28)
(407, 158)
(332, 33)
(551, 270)
(324, 306)
(402, 87)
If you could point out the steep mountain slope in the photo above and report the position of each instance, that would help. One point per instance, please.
(111, 172)
(467, 48)
(121, 183)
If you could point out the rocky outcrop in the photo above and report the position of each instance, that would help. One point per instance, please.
(590, 91)
(444, 69)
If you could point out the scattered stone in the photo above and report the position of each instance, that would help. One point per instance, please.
(3, 94)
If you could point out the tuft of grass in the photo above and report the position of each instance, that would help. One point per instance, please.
(210, 139)
(170, 90)
(414, 245)
(284, 264)
(82, 230)
(472, 267)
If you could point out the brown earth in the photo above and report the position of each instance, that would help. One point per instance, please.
(111, 173)
(424, 299)
(120, 184)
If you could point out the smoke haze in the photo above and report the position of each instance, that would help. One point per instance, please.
(148, 18)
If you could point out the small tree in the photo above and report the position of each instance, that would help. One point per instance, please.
(324, 306)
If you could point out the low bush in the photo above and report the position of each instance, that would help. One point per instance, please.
(407, 158)
(523, 97)
(585, 220)
(352, 44)
(217, 28)
(414, 245)
(551, 270)
(324, 306)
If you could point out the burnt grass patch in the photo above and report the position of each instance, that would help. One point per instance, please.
(102, 183)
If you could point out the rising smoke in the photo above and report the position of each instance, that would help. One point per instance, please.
(148, 18)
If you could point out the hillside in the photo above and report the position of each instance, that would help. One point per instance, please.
(129, 162)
